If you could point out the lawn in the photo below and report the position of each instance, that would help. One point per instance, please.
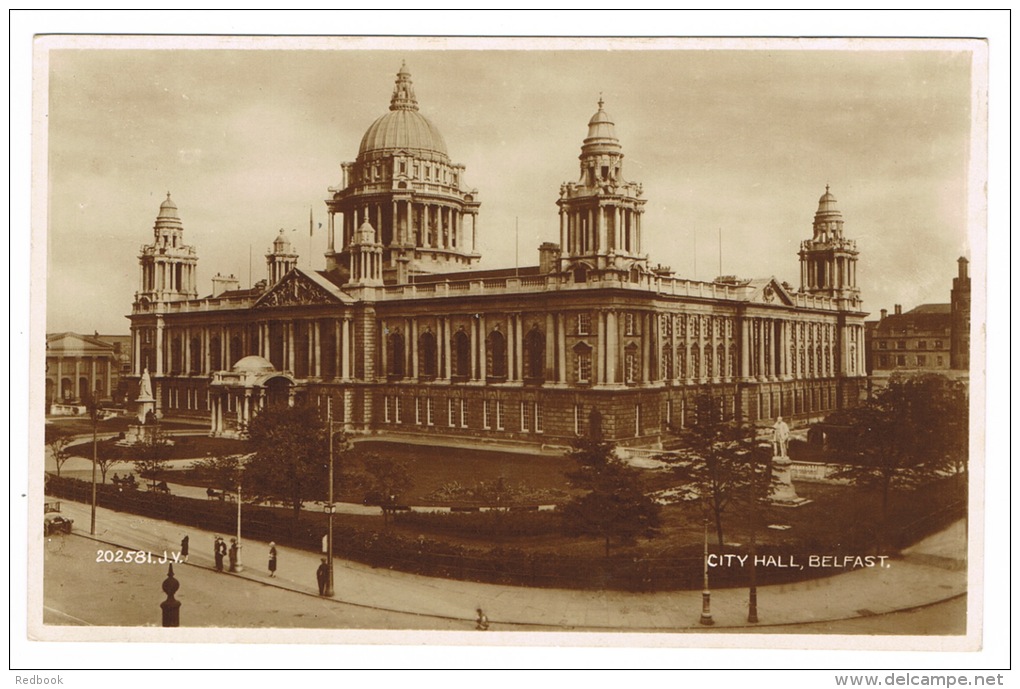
(184, 447)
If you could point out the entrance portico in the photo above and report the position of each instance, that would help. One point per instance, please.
(235, 395)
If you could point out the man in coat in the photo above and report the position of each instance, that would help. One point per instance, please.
(322, 576)
(219, 551)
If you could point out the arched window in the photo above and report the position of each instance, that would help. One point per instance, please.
(462, 354)
(580, 274)
(695, 362)
(630, 362)
(720, 359)
(215, 359)
(196, 355)
(709, 363)
(534, 354)
(236, 351)
(176, 356)
(496, 355)
(681, 360)
(396, 356)
(427, 355)
(733, 361)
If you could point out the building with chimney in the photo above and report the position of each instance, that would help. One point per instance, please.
(930, 338)
(399, 333)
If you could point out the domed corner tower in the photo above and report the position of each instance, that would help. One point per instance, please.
(828, 261)
(405, 186)
(168, 265)
(600, 214)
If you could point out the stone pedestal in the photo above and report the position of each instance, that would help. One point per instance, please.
(783, 492)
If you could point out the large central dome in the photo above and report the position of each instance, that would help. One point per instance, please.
(403, 128)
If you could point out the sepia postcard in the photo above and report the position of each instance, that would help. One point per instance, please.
(650, 342)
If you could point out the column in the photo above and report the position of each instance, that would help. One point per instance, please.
(414, 348)
(136, 342)
(600, 349)
(474, 349)
(482, 359)
(159, 347)
(346, 358)
(444, 329)
(646, 354)
(519, 347)
(745, 348)
(109, 376)
(563, 232)
(611, 347)
(550, 348)
(561, 348)
(318, 349)
(289, 328)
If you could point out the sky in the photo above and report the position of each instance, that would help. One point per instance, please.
(733, 146)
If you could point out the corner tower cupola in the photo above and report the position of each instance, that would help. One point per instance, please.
(280, 259)
(600, 214)
(366, 257)
(405, 186)
(168, 265)
(828, 261)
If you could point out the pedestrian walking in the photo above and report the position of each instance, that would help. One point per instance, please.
(272, 559)
(233, 555)
(219, 551)
(184, 548)
(322, 576)
(481, 622)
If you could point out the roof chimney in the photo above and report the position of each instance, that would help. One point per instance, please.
(884, 312)
(963, 266)
(899, 309)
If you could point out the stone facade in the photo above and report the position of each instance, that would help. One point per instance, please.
(399, 335)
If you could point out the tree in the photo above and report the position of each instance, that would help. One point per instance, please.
(153, 454)
(223, 471)
(718, 463)
(913, 431)
(58, 448)
(289, 459)
(615, 506)
(388, 479)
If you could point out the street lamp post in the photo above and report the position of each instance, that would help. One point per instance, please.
(330, 506)
(752, 594)
(706, 595)
(238, 566)
(93, 408)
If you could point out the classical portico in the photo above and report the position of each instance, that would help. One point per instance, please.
(236, 395)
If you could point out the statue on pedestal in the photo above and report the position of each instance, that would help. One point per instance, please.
(780, 438)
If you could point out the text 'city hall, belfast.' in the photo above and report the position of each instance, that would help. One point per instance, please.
(404, 336)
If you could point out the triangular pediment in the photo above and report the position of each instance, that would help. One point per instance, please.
(769, 291)
(297, 289)
(75, 344)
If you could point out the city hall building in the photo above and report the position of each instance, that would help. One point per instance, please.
(402, 334)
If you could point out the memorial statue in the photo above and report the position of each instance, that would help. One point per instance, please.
(780, 438)
(145, 387)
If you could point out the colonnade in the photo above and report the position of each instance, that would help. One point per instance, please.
(601, 228)
(839, 272)
(89, 369)
(168, 276)
(404, 221)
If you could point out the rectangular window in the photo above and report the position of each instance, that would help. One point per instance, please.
(922, 344)
(938, 360)
(396, 409)
(417, 410)
(938, 344)
(499, 415)
(628, 323)
(901, 360)
(463, 414)
(637, 420)
(922, 360)
(525, 417)
(485, 414)
(883, 344)
(883, 361)
(387, 415)
(668, 418)
(901, 344)
(577, 419)
(538, 417)
(584, 367)
(430, 411)
(451, 417)
(584, 324)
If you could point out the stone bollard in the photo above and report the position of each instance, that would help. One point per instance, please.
(171, 606)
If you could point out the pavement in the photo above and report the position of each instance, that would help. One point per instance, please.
(928, 573)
